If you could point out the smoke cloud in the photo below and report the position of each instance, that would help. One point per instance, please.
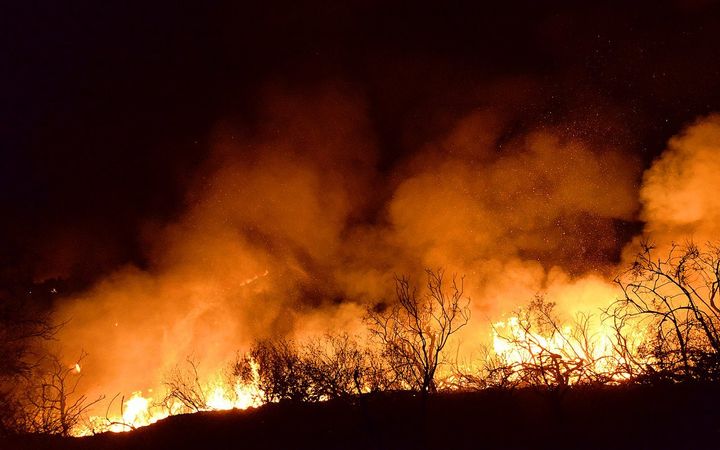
(679, 191)
(291, 226)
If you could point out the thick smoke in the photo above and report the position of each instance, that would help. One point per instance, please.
(255, 249)
(292, 227)
(680, 190)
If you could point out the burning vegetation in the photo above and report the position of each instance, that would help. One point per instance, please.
(273, 285)
(663, 328)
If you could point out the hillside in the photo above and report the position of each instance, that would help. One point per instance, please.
(634, 417)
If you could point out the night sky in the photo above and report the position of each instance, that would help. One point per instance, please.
(107, 110)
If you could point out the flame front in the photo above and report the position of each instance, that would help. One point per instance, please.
(141, 410)
(572, 355)
(289, 252)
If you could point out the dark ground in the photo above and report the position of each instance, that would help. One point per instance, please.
(638, 417)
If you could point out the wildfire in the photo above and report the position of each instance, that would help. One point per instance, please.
(140, 410)
(523, 344)
(136, 411)
(535, 347)
(521, 348)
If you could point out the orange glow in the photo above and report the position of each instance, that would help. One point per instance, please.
(520, 347)
(276, 242)
(140, 410)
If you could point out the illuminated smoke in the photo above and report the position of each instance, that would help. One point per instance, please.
(680, 190)
(263, 229)
(291, 227)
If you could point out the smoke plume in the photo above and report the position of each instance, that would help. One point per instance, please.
(291, 226)
(679, 191)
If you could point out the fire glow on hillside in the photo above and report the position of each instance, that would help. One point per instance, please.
(233, 205)
(215, 291)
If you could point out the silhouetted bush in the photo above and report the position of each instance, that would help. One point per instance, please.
(23, 330)
(182, 385)
(50, 402)
(414, 331)
(334, 366)
(672, 300)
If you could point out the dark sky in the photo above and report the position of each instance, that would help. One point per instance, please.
(106, 109)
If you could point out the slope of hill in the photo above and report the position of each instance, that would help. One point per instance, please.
(637, 417)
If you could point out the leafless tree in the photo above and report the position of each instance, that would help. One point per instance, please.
(182, 384)
(545, 351)
(23, 330)
(415, 330)
(674, 299)
(52, 404)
